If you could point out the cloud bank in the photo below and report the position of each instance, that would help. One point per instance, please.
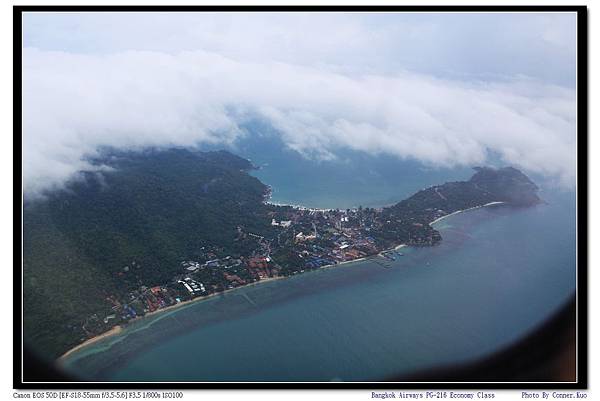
(77, 101)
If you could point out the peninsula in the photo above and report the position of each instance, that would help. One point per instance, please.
(163, 227)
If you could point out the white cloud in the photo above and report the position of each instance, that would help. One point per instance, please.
(325, 82)
(459, 45)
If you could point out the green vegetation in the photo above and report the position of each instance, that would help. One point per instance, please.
(146, 215)
(408, 221)
(159, 227)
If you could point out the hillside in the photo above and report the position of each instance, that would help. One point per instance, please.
(145, 216)
(408, 220)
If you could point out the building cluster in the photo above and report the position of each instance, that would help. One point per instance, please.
(305, 239)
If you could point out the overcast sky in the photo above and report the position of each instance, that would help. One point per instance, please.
(445, 89)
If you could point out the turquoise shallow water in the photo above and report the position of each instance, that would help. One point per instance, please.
(498, 273)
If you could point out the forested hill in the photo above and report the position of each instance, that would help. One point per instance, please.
(507, 185)
(149, 211)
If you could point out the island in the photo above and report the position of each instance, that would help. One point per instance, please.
(160, 228)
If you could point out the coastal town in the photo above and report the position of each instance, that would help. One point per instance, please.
(299, 240)
(307, 239)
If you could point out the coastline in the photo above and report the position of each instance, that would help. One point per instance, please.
(299, 207)
(115, 330)
(119, 328)
(465, 210)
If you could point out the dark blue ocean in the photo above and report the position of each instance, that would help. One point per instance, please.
(498, 273)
